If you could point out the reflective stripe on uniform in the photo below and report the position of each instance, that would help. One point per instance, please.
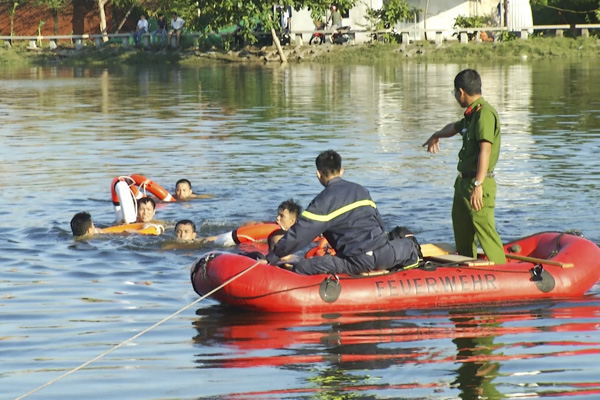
(339, 211)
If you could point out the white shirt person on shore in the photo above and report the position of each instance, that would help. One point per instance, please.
(176, 27)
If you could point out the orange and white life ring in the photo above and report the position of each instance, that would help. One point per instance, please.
(124, 195)
(153, 187)
(138, 227)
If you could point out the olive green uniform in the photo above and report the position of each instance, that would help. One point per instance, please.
(481, 123)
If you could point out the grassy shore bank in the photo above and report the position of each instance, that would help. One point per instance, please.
(533, 48)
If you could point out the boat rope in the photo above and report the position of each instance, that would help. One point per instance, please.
(98, 357)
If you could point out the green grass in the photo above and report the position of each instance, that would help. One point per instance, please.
(533, 48)
(14, 56)
(111, 54)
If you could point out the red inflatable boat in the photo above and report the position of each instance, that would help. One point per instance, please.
(542, 266)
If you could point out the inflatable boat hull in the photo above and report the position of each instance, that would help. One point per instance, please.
(570, 267)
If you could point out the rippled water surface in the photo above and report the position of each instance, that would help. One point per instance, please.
(249, 136)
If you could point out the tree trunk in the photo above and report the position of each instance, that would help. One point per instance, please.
(55, 20)
(278, 45)
(124, 18)
(425, 18)
(101, 4)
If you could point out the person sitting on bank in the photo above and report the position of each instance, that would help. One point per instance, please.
(161, 29)
(347, 217)
(141, 28)
(185, 230)
(287, 215)
(176, 27)
(82, 225)
(183, 191)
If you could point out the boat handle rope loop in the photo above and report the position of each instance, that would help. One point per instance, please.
(131, 339)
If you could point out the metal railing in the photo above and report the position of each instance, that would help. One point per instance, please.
(298, 36)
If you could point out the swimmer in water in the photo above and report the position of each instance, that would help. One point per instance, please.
(183, 191)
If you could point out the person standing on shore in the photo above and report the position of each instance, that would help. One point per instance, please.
(335, 18)
(475, 187)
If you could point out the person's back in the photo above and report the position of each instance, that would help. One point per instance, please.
(82, 225)
(354, 231)
(348, 218)
(336, 17)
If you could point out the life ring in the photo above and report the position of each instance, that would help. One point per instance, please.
(322, 248)
(124, 195)
(138, 227)
(247, 234)
(153, 187)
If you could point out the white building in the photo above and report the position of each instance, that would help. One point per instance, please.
(432, 14)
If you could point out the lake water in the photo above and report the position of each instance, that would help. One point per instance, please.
(248, 135)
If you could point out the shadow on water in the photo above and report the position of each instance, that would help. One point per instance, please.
(455, 352)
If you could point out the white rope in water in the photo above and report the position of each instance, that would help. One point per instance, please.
(131, 339)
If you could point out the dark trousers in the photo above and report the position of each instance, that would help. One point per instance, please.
(398, 252)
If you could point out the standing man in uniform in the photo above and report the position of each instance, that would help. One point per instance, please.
(348, 218)
(475, 188)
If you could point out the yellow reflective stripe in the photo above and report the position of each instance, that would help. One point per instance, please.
(411, 266)
(339, 211)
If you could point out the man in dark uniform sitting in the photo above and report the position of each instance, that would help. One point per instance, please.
(348, 218)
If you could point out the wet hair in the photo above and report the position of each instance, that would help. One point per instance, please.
(291, 206)
(183, 180)
(186, 222)
(329, 163)
(145, 200)
(274, 237)
(469, 81)
(81, 223)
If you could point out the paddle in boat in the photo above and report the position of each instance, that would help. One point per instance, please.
(541, 266)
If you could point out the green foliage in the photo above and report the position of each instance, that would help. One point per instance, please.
(39, 30)
(55, 5)
(11, 8)
(392, 12)
(470, 22)
(553, 12)
(318, 9)
(506, 36)
(252, 15)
